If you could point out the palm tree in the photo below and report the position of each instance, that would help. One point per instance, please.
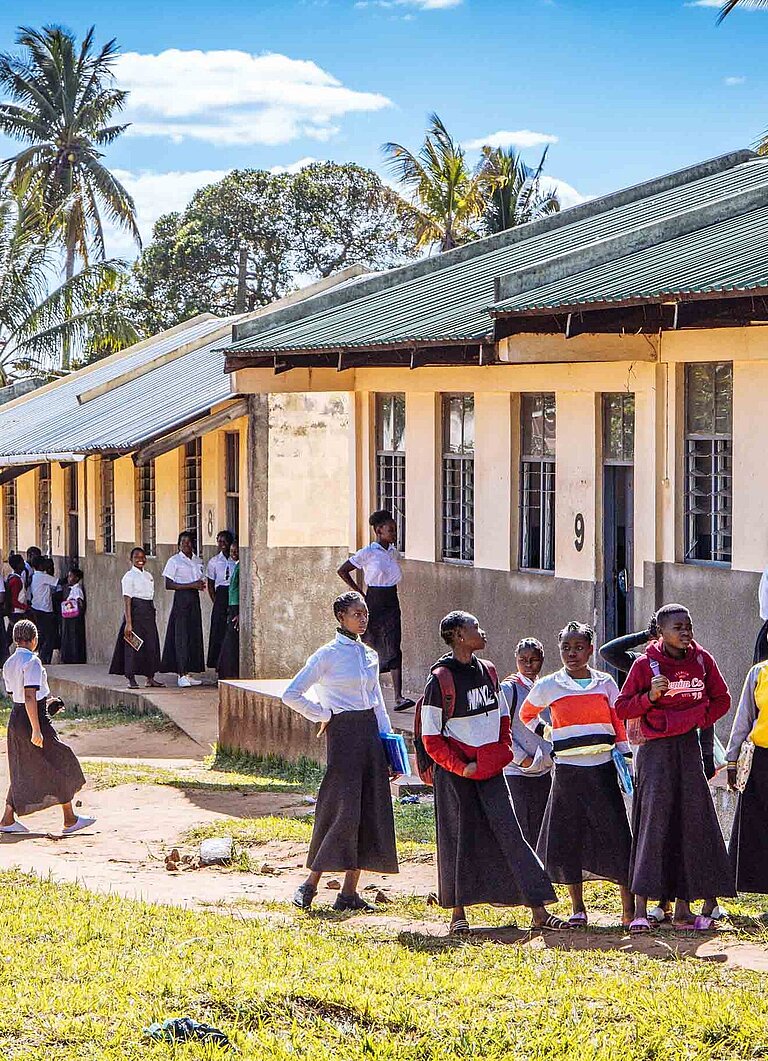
(729, 5)
(36, 324)
(516, 193)
(447, 197)
(62, 100)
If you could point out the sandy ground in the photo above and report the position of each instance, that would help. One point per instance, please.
(138, 825)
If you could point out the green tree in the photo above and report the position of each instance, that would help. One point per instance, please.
(37, 323)
(61, 103)
(345, 215)
(447, 197)
(516, 192)
(245, 241)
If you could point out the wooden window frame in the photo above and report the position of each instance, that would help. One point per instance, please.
(390, 465)
(457, 509)
(537, 479)
(146, 506)
(708, 491)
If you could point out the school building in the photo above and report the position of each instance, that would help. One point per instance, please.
(130, 451)
(568, 420)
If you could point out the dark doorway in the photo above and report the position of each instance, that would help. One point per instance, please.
(618, 511)
(73, 517)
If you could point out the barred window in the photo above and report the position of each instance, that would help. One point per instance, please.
(73, 512)
(618, 428)
(145, 494)
(107, 482)
(44, 536)
(193, 491)
(458, 477)
(390, 459)
(537, 482)
(708, 461)
(232, 480)
(10, 525)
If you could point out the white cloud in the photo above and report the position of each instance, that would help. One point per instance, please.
(294, 167)
(704, 3)
(233, 98)
(155, 194)
(734, 80)
(566, 192)
(521, 138)
(422, 5)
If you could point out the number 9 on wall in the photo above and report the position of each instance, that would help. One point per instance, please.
(579, 532)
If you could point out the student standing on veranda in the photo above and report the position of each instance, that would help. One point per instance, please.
(228, 665)
(41, 590)
(43, 771)
(139, 618)
(183, 649)
(218, 575)
(73, 607)
(380, 565)
(482, 856)
(17, 604)
(678, 850)
(354, 826)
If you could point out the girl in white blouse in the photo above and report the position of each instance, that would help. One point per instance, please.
(139, 619)
(380, 565)
(183, 649)
(354, 825)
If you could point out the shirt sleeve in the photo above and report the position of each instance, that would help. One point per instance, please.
(436, 744)
(718, 693)
(534, 704)
(380, 708)
(632, 701)
(745, 717)
(125, 583)
(358, 559)
(169, 571)
(33, 673)
(762, 595)
(295, 695)
(622, 743)
(211, 569)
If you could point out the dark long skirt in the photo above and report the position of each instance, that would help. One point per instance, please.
(677, 849)
(218, 624)
(761, 644)
(354, 824)
(748, 849)
(585, 833)
(228, 665)
(46, 633)
(126, 660)
(529, 798)
(73, 649)
(482, 856)
(183, 649)
(3, 641)
(40, 777)
(384, 633)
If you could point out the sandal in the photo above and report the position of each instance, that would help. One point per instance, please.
(552, 924)
(460, 927)
(641, 926)
(658, 915)
(700, 923)
(579, 920)
(303, 896)
(404, 704)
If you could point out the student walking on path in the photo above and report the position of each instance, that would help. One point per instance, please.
(218, 575)
(43, 771)
(139, 619)
(73, 607)
(228, 665)
(529, 776)
(354, 826)
(585, 833)
(183, 649)
(380, 565)
(674, 688)
(748, 847)
(482, 856)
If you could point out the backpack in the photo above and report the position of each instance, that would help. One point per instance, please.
(425, 764)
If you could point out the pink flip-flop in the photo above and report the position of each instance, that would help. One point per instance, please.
(641, 926)
(579, 920)
(700, 923)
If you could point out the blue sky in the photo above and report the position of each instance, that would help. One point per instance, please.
(621, 92)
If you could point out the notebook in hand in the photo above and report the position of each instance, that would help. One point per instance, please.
(396, 753)
(133, 640)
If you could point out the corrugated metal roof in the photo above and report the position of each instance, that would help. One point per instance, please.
(730, 256)
(51, 419)
(451, 304)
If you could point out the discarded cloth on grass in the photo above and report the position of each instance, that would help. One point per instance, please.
(185, 1029)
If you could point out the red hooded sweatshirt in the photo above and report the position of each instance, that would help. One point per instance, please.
(697, 696)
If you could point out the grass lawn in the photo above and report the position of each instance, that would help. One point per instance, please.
(86, 973)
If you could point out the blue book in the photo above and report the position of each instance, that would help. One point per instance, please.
(625, 774)
(396, 753)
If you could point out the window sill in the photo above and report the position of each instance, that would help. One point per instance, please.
(536, 571)
(726, 564)
(456, 563)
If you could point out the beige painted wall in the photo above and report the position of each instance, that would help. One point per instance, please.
(125, 501)
(494, 481)
(422, 484)
(26, 509)
(576, 483)
(168, 497)
(309, 470)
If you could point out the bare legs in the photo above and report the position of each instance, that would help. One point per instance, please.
(69, 815)
(349, 887)
(628, 912)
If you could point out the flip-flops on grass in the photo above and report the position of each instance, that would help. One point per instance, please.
(459, 927)
(641, 926)
(552, 924)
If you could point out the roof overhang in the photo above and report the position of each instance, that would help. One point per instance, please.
(413, 354)
(180, 436)
(29, 460)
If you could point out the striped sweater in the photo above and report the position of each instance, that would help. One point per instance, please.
(585, 727)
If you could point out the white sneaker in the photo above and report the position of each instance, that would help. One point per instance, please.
(81, 823)
(185, 682)
(17, 827)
